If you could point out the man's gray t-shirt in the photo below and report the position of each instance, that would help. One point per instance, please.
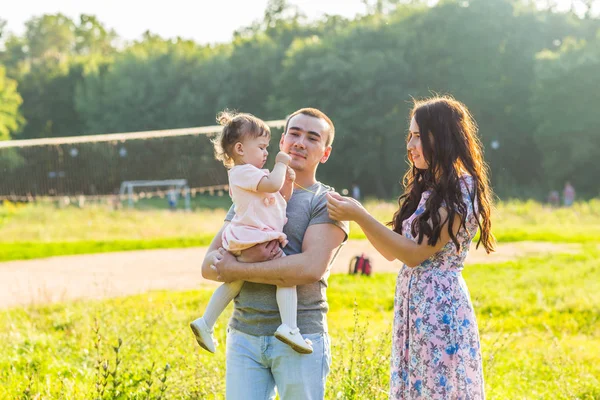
(256, 312)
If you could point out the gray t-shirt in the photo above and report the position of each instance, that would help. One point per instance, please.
(255, 308)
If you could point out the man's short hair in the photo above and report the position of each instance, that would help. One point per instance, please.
(313, 112)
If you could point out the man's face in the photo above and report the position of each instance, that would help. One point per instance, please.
(305, 140)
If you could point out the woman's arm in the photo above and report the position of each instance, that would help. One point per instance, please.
(389, 243)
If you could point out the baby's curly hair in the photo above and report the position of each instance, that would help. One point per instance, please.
(236, 127)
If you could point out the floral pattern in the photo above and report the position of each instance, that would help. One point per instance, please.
(436, 350)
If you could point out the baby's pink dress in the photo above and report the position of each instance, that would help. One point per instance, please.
(259, 217)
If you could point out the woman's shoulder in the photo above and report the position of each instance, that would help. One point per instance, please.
(467, 184)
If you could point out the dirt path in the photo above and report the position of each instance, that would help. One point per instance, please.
(125, 273)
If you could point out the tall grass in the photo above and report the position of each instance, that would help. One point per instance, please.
(539, 321)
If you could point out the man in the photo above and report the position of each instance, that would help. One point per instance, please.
(256, 361)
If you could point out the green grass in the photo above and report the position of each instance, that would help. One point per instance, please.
(31, 250)
(539, 321)
(43, 230)
(517, 221)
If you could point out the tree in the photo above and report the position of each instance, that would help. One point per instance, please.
(564, 108)
(361, 79)
(140, 89)
(48, 91)
(50, 36)
(93, 38)
(10, 100)
(48, 62)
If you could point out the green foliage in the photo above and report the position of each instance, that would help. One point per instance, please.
(528, 75)
(48, 90)
(567, 82)
(48, 62)
(139, 90)
(10, 101)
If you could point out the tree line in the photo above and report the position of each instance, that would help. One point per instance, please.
(529, 75)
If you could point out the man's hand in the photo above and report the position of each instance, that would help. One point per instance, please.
(221, 267)
(208, 271)
(283, 158)
(260, 252)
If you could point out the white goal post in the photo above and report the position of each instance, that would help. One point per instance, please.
(178, 186)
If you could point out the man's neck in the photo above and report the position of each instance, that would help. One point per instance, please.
(305, 181)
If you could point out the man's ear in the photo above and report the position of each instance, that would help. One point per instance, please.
(238, 149)
(326, 155)
(281, 140)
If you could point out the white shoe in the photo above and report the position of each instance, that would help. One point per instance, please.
(203, 335)
(293, 338)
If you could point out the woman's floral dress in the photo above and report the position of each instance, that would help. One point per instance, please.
(436, 351)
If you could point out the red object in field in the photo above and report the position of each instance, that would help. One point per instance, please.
(360, 264)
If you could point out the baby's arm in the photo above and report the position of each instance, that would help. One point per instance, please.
(274, 181)
(288, 186)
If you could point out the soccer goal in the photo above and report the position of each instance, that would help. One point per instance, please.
(176, 187)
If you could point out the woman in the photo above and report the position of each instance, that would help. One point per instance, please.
(436, 351)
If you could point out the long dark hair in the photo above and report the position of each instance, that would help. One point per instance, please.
(451, 148)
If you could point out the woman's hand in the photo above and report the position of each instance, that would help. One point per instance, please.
(344, 208)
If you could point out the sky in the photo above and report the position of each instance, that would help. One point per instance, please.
(204, 21)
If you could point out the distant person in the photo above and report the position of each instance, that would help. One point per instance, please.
(115, 200)
(436, 350)
(568, 194)
(356, 191)
(260, 200)
(172, 199)
(554, 198)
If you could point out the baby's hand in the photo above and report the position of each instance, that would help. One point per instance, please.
(290, 175)
(283, 158)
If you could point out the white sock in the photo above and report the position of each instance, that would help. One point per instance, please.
(287, 300)
(219, 300)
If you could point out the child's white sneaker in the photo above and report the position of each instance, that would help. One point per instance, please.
(293, 338)
(203, 335)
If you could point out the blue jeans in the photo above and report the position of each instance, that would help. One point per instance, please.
(258, 364)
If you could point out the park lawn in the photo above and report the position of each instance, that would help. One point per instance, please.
(31, 250)
(517, 221)
(38, 231)
(539, 320)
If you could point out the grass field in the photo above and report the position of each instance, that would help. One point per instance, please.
(539, 320)
(43, 230)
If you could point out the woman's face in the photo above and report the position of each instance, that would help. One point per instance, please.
(414, 147)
